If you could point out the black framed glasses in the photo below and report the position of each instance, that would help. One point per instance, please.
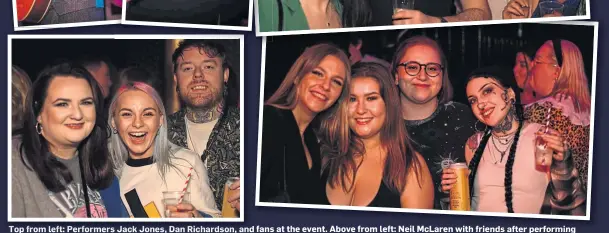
(413, 68)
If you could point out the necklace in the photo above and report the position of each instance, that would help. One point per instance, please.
(507, 145)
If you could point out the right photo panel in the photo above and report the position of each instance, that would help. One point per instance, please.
(488, 120)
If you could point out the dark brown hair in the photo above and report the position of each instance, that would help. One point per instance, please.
(394, 139)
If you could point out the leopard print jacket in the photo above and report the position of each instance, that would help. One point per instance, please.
(577, 136)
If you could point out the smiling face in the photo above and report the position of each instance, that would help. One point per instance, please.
(489, 101)
(420, 88)
(366, 107)
(544, 70)
(321, 87)
(200, 78)
(68, 115)
(137, 119)
(521, 69)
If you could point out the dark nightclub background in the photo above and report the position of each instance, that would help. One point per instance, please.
(466, 47)
(150, 54)
(273, 216)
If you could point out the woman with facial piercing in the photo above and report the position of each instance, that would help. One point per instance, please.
(505, 174)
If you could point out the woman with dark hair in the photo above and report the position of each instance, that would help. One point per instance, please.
(287, 15)
(560, 82)
(291, 162)
(376, 151)
(437, 126)
(60, 162)
(505, 172)
(522, 66)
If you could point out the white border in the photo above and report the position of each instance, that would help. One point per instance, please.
(241, 39)
(188, 25)
(427, 211)
(412, 26)
(16, 26)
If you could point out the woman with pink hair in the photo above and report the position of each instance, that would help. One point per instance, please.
(558, 78)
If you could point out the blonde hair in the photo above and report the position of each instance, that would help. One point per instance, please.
(572, 80)
(285, 96)
(21, 84)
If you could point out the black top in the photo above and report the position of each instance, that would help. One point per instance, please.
(441, 139)
(280, 133)
(382, 10)
(384, 196)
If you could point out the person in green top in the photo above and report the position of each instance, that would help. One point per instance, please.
(289, 15)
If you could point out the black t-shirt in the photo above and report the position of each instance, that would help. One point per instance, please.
(441, 139)
(382, 10)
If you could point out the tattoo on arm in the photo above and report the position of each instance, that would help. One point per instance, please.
(473, 14)
(473, 142)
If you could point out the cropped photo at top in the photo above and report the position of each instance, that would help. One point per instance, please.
(51, 12)
(150, 129)
(294, 15)
(209, 12)
(490, 119)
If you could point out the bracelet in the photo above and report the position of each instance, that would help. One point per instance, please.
(443, 20)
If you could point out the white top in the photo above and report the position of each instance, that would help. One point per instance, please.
(197, 135)
(150, 186)
(528, 185)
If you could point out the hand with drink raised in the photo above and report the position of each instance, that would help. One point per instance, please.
(550, 139)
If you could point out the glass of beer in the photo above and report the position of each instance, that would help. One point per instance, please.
(399, 5)
(227, 210)
(172, 198)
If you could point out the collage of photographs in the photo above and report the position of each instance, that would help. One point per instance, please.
(454, 107)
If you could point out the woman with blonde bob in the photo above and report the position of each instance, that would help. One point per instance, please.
(560, 82)
(291, 161)
(376, 150)
(147, 164)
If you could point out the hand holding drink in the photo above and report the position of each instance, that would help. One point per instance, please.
(549, 146)
(231, 202)
(399, 5)
(177, 205)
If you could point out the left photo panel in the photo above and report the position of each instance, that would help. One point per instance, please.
(126, 128)
(43, 14)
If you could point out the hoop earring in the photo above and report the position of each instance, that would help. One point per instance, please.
(38, 128)
(476, 127)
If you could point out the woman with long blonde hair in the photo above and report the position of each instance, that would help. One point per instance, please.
(560, 82)
(291, 162)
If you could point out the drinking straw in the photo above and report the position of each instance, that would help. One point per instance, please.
(185, 186)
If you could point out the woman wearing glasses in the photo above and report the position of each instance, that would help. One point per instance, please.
(557, 77)
(437, 126)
